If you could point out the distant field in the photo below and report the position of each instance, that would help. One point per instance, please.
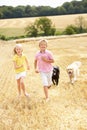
(15, 27)
(12, 31)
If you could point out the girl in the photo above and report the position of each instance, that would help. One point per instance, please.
(19, 61)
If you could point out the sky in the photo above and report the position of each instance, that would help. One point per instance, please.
(51, 3)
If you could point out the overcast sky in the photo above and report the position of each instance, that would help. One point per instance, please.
(52, 3)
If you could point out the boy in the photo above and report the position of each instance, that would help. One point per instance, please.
(42, 64)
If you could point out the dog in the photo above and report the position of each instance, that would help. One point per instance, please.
(55, 75)
(73, 71)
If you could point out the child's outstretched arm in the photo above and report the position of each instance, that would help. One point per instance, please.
(35, 66)
(27, 63)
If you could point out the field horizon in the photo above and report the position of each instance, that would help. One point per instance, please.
(16, 26)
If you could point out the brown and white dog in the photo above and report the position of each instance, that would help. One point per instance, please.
(73, 71)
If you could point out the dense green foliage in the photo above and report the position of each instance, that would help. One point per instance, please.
(41, 27)
(79, 27)
(73, 7)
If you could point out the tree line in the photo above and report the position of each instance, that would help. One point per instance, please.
(73, 7)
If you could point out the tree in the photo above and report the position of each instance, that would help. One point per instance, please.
(70, 30)
(18, 12)
(81, 24)
(45, 26)
(60, 10)
(44, 10)
(41, 27)
(79, 27)
(31, 30)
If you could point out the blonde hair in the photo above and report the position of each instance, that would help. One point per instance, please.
(17, 45)
(43, 40)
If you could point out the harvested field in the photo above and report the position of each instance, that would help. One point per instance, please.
(67, 108)
(60, 21)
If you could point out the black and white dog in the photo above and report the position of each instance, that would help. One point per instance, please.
(55, 75)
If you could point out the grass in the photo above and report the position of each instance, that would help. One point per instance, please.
(12, 32)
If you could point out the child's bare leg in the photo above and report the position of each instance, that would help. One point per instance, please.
(19, 87)
(22, 85)
(46, 91)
